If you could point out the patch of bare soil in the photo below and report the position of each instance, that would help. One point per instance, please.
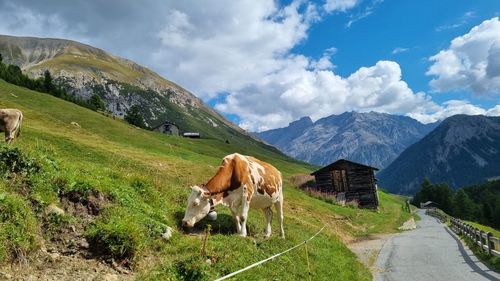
(65, 253)
(58, 267)
(368, 248)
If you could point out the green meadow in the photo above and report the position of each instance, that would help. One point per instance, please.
(142, 180)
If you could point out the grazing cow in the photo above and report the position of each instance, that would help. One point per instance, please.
(240, 183)
(10, 123)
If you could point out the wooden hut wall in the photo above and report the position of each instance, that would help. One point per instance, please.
(360, 179)
(324, 181)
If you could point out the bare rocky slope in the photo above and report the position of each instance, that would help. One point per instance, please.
(84, 70)
(462, 150)
(372, 138)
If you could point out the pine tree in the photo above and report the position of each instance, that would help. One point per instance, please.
(96, 103)
(496, 214)
(134, 117)
(463, 205)
(47, 82)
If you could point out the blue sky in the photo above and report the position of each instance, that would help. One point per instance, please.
(420, 28)
(265, 63)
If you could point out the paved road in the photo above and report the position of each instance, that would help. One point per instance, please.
(430, 252)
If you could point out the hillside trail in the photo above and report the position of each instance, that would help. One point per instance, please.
(430, 252)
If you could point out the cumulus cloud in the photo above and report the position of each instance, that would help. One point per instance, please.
(212, 49)
(297, 90)
(339, 5)
(245, 50)
(450, 108)
(471, 62)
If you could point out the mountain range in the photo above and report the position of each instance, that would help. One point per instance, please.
(83, 71)
(371, 138)
(462, 150)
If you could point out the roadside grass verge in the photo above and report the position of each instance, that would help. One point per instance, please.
(491, 261)
(130, 185)
(485, 228)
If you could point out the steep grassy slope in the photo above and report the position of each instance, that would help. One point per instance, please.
(84, 70)
(141, 179)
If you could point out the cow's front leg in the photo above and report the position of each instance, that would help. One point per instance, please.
(236, 218)
(245, 206)
(268, 213)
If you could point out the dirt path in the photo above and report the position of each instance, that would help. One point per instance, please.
(368, 248)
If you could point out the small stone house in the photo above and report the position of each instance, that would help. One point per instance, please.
(168, 128)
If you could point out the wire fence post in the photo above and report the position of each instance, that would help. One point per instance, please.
(307, 258)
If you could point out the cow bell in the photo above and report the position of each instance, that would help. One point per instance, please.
(212, 215)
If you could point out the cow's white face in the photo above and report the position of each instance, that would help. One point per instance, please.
(198, 206)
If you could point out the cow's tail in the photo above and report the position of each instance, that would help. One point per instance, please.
(19, 125)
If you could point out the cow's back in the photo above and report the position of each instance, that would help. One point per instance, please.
(269, 180)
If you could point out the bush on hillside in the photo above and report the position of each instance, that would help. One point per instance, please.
(134, 117)
(12, 160)
(116, 234)
(18, 228)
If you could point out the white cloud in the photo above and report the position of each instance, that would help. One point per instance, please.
(399, 50)
(213, 49)
(339, 5)
(297, 90)
(243, 48)
(368, 10)
(494, 111)
(472, 61)
(19, 20)
(450, 108)
(464, 19)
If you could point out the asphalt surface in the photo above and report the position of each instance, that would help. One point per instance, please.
(430, 252)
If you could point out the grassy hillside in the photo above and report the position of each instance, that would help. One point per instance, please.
(121, 187)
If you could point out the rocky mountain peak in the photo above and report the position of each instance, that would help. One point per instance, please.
(373, 138)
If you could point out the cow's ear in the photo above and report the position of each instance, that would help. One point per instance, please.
(206, 194)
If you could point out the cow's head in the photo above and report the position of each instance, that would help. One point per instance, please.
(198, 206)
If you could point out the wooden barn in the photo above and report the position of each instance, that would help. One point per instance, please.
(349, 181)
(168, 128)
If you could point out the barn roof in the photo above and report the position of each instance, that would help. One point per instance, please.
(163, 123)
(428, 203)
(341, 162)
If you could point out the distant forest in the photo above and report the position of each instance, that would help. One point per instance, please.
(479, 203)
(14, 75)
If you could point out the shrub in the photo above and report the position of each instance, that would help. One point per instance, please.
(18, 228)
(12, 160)
(192, 269)
(116, 234)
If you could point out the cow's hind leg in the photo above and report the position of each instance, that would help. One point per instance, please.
(8, 137)
(279, 211)
(268, 213)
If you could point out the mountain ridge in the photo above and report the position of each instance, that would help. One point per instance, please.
(372, 138)
(462, 150)
(84, 70)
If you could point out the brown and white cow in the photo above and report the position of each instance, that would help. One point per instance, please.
(240, 183)
(10, 123)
